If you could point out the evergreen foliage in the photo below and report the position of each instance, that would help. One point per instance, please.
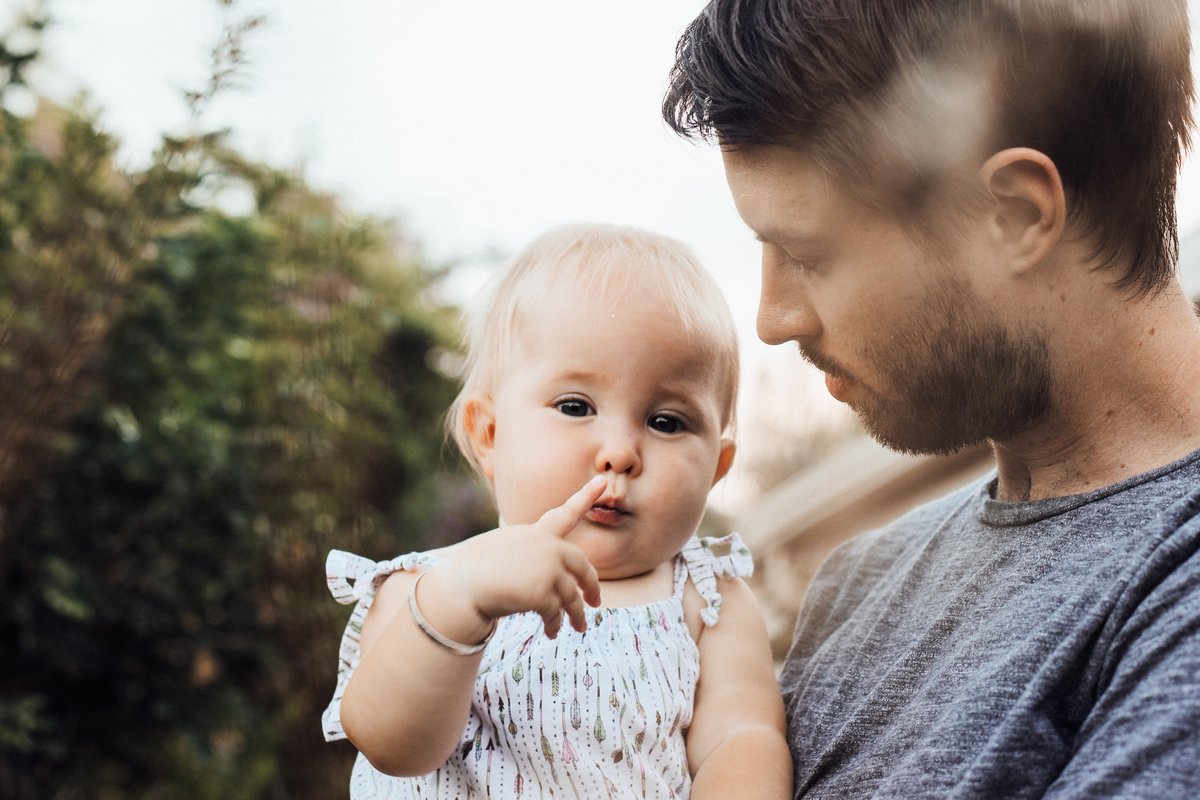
(197, 405)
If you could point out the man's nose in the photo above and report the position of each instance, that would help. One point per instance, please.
(785, 312)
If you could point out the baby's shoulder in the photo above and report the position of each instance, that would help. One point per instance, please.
(714, 568)
(736, 599)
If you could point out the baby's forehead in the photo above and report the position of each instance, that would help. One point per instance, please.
(637, 327)
(635, 305)
(610, 288)
(579, 280)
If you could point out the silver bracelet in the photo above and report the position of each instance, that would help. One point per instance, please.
(458, 648)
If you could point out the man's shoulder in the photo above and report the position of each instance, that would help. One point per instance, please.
(1151, 520)
(859, 565)
(907, 531)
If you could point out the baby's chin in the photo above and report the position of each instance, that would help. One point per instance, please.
(630, 572)
(621, 572)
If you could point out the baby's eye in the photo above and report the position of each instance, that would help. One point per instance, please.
(574, 407)
(666, 423)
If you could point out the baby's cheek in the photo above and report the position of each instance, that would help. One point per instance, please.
(692, 510)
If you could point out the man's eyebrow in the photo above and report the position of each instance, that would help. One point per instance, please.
(775, 236)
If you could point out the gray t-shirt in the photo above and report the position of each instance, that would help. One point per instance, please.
(976, 648)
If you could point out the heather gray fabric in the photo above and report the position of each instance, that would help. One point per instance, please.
(976, 648)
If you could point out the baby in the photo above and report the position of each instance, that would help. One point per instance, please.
(605, 360)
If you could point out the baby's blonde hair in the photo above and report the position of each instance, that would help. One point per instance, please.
(600, 259)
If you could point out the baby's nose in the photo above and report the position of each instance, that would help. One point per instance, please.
(619, 453)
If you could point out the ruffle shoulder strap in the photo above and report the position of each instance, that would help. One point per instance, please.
(715, 557)
(354, 579)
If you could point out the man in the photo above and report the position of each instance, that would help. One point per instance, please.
(966, 210)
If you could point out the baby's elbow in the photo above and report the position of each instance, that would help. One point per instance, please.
(400, 764)
(397, 756)
(390, 752)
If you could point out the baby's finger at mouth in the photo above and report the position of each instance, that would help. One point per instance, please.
(565, 517)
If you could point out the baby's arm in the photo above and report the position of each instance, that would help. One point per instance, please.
(737, 744)
(407, 703)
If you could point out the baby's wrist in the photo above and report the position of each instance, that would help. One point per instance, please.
(450, 610)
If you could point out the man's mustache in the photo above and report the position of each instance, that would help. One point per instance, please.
(823, 362)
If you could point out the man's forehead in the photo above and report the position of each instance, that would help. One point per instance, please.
(782, 195)
(778, 171)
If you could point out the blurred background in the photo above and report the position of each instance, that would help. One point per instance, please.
(235, 240)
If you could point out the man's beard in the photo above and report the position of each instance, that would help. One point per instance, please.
(952, 378)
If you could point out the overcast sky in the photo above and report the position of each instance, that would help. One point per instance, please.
(481, 123)
(478, 123)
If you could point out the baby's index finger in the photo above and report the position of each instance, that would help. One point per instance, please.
(564, 518)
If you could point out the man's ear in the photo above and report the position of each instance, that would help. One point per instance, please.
(479, 419)
(725, 459)
(1030, 208)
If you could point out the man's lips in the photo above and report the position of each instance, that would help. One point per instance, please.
(837, 381)
(838, 386)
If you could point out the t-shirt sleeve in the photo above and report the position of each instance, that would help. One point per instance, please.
(1141, 738)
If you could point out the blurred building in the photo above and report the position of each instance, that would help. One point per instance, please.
(857, 487)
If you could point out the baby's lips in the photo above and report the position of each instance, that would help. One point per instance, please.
(610, 501)
(606, 514)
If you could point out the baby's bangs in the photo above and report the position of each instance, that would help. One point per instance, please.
(607, 262)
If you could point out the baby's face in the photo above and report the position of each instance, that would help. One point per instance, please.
(613, 387)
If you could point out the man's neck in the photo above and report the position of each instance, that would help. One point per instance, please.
(1125, 401)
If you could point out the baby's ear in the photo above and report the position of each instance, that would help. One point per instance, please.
(479, 419)
(725, 459)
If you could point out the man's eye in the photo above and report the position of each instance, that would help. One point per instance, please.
(573, 408)
(801, 264)
(665, 423)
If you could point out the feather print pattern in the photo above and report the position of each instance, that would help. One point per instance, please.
(596, 714)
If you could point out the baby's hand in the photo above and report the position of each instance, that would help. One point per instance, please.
(532, 567)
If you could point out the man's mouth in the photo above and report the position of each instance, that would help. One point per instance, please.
(837, 381)
(838, 387)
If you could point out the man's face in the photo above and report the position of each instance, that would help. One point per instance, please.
(898, 327)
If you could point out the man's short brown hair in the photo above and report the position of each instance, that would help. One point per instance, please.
(897, 97)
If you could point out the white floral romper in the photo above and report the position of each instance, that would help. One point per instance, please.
(598, 714)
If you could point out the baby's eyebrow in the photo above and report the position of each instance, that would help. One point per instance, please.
(576, 375)
(688, 400)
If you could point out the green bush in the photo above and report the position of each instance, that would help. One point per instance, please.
(197, 406)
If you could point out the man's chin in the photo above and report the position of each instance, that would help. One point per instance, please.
(926, 436)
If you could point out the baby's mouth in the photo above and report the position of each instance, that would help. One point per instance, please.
(607, 513)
